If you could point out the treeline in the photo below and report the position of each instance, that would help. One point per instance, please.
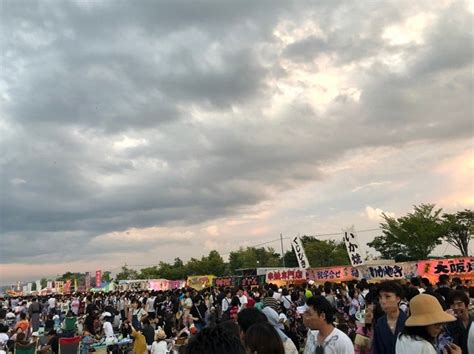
(408, 238)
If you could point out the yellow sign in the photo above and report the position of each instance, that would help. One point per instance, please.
(200, 282)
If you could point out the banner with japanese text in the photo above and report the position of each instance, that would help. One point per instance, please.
(67, 286)
(352, 246)
(333, 274)
(454, 267)
(300, 253)
(98, 278)
(250, 280)
(288, 274)
(224, 281)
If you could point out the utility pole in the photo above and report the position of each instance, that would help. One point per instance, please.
(282, 254)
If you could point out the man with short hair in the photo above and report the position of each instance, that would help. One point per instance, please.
(248, 317)
(443, 287)
(323, 337)
(459, 330)
(388, 326)
(242, 298)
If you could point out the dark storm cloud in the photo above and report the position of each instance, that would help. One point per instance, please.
(193, 80)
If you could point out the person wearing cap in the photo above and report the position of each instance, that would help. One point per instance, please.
(423, 327)
(159, 345)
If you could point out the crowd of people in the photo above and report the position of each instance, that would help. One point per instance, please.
(354, 317)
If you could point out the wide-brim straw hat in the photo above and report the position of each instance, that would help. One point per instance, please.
(426, 310)
(160, 334)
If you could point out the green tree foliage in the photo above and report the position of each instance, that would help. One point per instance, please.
(106, 276)
(127, 273)
(252, 257)
(411, 237)
(149, 273)
(459, 230)
(33, 286)
(320, 253)
(43, 283)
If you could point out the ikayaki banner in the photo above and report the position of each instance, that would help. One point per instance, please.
(288, 274)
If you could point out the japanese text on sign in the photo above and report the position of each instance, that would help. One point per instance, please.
(286, 275)
(353, 248)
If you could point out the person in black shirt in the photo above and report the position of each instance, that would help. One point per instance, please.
(459, 330)
(148, 331)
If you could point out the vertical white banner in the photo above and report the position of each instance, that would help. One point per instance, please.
(300, 253)
(25, 289)
(352, 246)
(30, 287)
(49, 284)
(38, 285)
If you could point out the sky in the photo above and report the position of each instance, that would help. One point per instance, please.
(137, 132)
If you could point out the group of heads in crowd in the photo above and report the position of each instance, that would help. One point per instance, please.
(387, 317)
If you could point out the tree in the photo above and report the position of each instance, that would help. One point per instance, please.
(459, 230)
(33, 287)
(44, 283)
(252, 257)
(149, 273)
(320, 253)
(127, 273)
(106, 276)
(411, 237)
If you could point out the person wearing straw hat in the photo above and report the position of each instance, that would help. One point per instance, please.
(159, 346)
(423, 327)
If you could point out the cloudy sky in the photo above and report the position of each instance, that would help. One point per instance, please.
(142, 131)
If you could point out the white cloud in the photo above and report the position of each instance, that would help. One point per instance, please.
(376, 213)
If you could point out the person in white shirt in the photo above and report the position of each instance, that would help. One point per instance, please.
(52, 304)
(242, 298)
(159, 346)
(323, 337)
(108, 329)
(423, 327)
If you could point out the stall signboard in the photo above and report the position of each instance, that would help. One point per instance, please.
(454, 267)
(251, 280)
(200, 282)
(333, 274)
(288, 274)
(176, 284)
(67, 287)
(159, 284)
(224, 281)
